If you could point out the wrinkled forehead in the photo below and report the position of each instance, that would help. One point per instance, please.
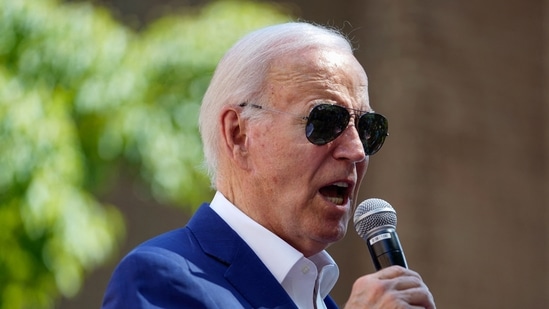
(316, 73)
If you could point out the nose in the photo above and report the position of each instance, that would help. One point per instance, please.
(349, 146)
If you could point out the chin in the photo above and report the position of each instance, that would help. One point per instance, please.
(335, 234)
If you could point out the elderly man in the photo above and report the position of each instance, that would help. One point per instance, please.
(287, 131)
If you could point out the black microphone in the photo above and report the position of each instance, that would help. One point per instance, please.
(375, 221)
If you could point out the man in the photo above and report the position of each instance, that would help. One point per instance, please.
(287, 131)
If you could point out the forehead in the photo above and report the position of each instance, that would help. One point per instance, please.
(318, 74)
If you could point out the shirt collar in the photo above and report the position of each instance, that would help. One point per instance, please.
(277, 255)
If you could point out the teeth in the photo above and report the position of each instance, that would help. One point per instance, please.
(341, 184)
(336, 193)
(336, 200)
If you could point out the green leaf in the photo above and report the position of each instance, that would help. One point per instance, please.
(82, 96)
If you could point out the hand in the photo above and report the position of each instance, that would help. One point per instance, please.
(393, 287)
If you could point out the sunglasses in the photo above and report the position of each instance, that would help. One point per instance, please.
(326, 122)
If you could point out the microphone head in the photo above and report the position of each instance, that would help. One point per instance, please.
(373, 213)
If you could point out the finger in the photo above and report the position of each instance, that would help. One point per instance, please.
(396, 271)
(420, 297)
(407, 282)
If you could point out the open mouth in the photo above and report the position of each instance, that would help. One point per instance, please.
(337, 193)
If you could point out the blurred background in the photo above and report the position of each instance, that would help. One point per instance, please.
(99, 148)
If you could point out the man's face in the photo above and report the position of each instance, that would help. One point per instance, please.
(303, 192)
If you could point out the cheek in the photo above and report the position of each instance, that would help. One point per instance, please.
(269, 152)
(275, 142)
(281, 154)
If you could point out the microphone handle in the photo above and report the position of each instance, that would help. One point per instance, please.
(385, 249)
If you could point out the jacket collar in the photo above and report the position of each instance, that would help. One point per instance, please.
(245, 271)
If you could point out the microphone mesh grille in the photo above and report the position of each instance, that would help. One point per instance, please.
(373, 213)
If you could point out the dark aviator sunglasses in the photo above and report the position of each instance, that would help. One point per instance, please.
(326, 122)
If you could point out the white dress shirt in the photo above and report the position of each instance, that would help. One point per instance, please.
(307, 280)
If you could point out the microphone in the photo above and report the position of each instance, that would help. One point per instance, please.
(375, 222)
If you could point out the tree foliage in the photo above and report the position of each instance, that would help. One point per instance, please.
(80, 96)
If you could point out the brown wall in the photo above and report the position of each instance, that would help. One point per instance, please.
(466, 163)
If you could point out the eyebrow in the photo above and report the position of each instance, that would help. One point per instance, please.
(331, 102)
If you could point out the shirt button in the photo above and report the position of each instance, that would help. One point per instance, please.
(305, 269)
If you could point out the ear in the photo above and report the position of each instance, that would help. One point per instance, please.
(233, 129)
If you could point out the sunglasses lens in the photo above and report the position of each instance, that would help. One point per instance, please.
(372, 129)
(325, 123)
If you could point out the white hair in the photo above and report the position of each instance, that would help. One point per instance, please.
(241, 73)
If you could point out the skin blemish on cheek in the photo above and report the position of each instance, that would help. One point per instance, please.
(275, 180)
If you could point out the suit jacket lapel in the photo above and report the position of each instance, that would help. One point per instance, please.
(245, 271)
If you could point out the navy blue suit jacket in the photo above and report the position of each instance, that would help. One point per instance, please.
(203, 265)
